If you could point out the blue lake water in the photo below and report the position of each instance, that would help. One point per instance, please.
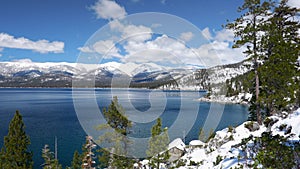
(50, 113)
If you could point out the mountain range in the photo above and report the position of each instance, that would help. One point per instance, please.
(114, 74)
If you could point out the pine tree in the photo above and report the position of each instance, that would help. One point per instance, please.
(280, 67)
(158, 144)
(103, 158)
(76, 162)
(16, 152)
(248, 29)
(115, 117)
(118, 151)
(2, 158)
(88, 161)
(50, 161)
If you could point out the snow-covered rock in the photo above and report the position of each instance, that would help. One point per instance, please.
(177, 143)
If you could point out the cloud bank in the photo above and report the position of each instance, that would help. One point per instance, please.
(41, 46)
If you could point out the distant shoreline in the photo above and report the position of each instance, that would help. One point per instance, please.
(169, 90)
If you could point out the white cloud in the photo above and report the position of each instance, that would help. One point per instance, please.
(107, 9)
(163, 1)
(86, 49)
(138, 33)
(206, 33)
(163, 49)
(103, 47)
(186, 36)
(294, 3)
(22, 60)
(41, 46)
(224, 35)
(218, 52)
(150, 55)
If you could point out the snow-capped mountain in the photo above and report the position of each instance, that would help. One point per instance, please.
(203, 78)
(149, 75)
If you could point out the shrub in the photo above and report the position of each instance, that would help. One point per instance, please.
(268, 122)
(282, 127)
(218, 160)
(230, 129)
(252, 126)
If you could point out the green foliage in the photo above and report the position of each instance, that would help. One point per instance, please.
(2, 158)
(280, 66)
(230, 129)
(180, 163)
(247, 29)
(201, 135)
(116, 155)
(282, 127)
(76, 161)
(103, 158)
(274, 153)
(249, 125)
(49, 161)
(271, 36)
(193, 163)
(269, 151)
(268, 122)
(218, 160)
(115, 117)
(15, 152)
(211, 135)
(158, 144)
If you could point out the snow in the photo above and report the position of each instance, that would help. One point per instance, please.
(228, 151)
(241, 98)
(225, 144)
(196, 143)
(178, 143)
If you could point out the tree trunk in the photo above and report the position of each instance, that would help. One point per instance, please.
(259, 120)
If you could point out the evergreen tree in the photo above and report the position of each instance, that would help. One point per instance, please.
(273, 152)
(103, 158)
(50, 161)
(2, 158)
(248, 29)
(88, 154)
(158, 145)
(76, 162)
(280, 67)
(117, 139)
(15, 152)
(115, 117)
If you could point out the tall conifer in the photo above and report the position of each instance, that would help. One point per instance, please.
(16, 153)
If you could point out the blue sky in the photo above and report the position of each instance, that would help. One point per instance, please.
(56, 30)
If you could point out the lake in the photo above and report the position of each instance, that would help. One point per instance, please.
(61, 113)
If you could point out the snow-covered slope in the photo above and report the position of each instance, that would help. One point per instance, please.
(151, 75)
(203, 78)
(227, 148)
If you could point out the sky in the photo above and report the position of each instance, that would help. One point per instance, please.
(64, 30)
